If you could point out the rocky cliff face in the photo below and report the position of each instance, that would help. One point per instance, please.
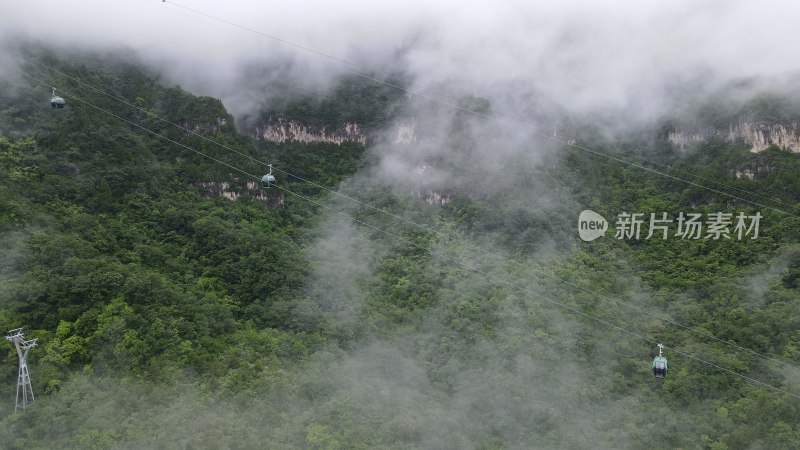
(756, 170)
(282, 131)
(431, 196)
(278, 130)
(204, 129)
(761, 135)
(686, 139)
(404, 133)
(273, 198)
(757, 135)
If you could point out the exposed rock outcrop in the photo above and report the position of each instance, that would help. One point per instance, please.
(204, 129)
(404, 133)
(282, 131)
(756, 170)
(431, 196)
(761, 135)
(273, 198)
(758, 135)
(684, 139)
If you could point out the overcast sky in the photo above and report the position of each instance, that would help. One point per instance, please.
(585, 54)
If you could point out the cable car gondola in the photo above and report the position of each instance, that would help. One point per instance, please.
(660, 363)
(268, 180)
(56, 101)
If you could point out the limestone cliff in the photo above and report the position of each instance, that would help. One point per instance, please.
(279, 130)
(758, 135)
(756, 169)
(204, 129)
(761, 135)
(252, 189)
(403, 132)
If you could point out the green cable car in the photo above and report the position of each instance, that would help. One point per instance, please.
(660, 363)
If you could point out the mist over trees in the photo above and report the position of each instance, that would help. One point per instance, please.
(171, 318)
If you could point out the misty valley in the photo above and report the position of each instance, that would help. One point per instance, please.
(360, 254)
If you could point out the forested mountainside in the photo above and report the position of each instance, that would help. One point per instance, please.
(170, 316)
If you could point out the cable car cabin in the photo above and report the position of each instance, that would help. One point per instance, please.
(57, 102)
(660, 367)
(268, 181)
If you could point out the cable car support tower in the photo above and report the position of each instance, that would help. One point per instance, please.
(24, 388)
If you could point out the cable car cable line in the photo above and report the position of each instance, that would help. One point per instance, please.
(719, 183)
(496, 116)
(490, 277)
(428, 229)
(460, 265)
(151, 114)
(144, 128)
(649, 169)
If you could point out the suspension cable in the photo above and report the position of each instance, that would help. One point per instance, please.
(423, 227)
(459, 264)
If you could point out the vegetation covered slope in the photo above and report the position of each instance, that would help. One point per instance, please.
(167, 319)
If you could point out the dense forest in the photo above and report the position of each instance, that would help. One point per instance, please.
(360, 315)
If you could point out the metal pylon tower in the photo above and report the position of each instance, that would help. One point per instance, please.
(24, 388)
